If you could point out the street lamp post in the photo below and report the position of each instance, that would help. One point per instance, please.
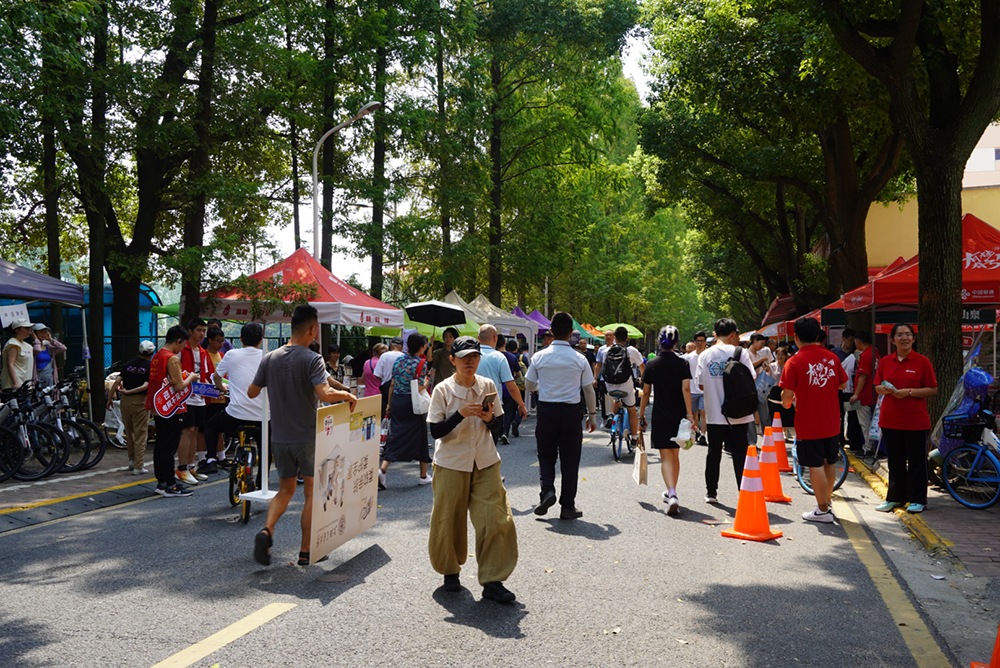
(363, 111)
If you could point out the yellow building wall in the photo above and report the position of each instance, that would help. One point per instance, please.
(891, 230)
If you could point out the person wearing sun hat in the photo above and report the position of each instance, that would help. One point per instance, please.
(18, 356)
(467, 482)
(46, 348)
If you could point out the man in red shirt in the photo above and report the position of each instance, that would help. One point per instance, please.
(814, 378)
(862, 382)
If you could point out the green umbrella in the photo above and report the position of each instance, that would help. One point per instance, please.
(168, 309)
(468, 329)
(632, 331)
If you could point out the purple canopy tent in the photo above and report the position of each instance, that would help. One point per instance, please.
(543, 322)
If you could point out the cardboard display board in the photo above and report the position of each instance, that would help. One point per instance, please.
(345, 489)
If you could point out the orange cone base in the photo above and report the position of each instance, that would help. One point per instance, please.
(770, 535)
(994, 660)
(778, 499)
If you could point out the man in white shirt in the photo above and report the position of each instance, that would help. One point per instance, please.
(730, 434)
(602, 391)
(761, 358)
(558, 373)
(239, 366)
(383, 369)
(626, 385)
(697, 396)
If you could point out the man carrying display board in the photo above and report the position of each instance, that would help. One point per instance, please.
(296, 377)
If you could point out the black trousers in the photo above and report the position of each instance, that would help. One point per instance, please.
(907, 458)
(168, 437)
(384, 389)
(559, 435)
(511, 416)
(602, 390)
(732, 437)
(224, 423)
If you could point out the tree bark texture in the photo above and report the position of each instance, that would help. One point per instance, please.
(496, 184)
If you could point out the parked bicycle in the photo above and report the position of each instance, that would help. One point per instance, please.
(45, 449)
(971, 471)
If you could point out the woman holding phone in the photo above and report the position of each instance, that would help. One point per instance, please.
(905, 379)
(408, 436)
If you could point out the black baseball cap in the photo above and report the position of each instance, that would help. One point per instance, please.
(465, 345)
(396, 341)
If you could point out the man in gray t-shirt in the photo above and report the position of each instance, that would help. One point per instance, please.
(296, 378)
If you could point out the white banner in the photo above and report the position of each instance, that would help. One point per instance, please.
(9, 314)
(345, 489)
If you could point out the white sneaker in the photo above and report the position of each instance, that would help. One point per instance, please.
(131, 465)
(381, 478)
(426, 480)
(673, 506)
(711, 499)
(186, 477)
(817, 515)
(139, 471)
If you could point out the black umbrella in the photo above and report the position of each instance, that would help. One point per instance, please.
(438, 314)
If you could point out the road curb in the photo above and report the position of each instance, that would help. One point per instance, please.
(914, 523)
(39, 504)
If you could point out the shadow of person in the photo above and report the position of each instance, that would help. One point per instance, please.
(294, 580)
(497, 620)
(685, 514)
(579, 527)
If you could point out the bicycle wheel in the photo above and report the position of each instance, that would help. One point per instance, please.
(627, 431)
(98, 441)
(842, 466)
(62, 455)
(11, 453)
(42, 452)
(79, 447)
(247, 485)
(235, 477)
(973, 480)
(616, 438)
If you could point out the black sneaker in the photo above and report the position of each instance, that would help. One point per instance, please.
(224, 464)
(495, 591)
(570, 513)
(208, 467)
(451, 583)
(177, 490)
(517, 434)
(547, 502)
(503, 441)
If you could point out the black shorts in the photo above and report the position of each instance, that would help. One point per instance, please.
(194, 416)
(815, 452)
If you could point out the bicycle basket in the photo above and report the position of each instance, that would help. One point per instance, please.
(963, 426)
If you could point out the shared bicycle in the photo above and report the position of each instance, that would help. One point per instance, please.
(245, 474)
(971, 472)
(842, 466)
(620, 428)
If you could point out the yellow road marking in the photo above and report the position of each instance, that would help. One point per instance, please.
(73, 496)
(217, 641)
(915, 633)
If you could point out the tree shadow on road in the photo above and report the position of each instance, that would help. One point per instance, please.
(494, 619)
(294, 580)
(18, 638)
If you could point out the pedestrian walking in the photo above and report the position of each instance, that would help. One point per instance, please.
(383, 370)
(729, 433)
(165, 369)
(441, 364)
(295, 377)
(761, 358)
(467, 483)
(602, 388)
(905, 379)
(511, 416)
(695, 348)
(558, 373)
(131, 385)
(371, 382)
(814, 378)
(407, 440)
(669, 375)
(493, 364)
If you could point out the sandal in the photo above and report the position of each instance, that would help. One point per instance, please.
(304, 559)
(262, 547)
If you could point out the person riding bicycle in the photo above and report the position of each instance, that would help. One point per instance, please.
(616, 369)
(240, 367)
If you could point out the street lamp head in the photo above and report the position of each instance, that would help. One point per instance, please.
(367, 109)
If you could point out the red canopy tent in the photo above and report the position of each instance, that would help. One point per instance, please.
(980, 273)
(336, 302)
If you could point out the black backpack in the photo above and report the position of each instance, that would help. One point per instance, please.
(740, 388)
(617, 367)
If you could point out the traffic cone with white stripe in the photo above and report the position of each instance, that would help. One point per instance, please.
(769, 470)
(778, 433)
(751, 521)
(995, 660)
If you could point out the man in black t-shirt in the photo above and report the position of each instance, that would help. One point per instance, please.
(132, 383)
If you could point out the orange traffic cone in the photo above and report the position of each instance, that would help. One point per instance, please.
(751, 521)
(778, 433)
(995, 660)
(769, 470)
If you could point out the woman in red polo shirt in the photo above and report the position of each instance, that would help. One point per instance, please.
(905, 379)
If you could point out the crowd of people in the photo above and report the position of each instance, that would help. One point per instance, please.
(198, 386)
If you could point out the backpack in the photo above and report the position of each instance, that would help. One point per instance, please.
(740, 388)
(617, 367)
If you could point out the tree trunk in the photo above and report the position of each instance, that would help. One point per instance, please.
(376, 235)
(293, 132)
(496, 185)
(444, 200)
(330, 55)
(939, 205)
(50, 186)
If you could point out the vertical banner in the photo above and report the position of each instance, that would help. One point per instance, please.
(345, 489)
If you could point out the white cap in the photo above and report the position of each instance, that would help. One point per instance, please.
(146, 347)
(39, 326)
(21, 322)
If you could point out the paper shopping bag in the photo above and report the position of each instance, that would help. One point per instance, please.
(640, 465)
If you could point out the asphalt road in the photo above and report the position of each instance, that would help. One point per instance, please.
(626, 585)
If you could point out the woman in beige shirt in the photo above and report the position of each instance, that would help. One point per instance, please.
(467, 484)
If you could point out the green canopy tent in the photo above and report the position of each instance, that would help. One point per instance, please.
(430, 331)
(584, 334)
(632, 331)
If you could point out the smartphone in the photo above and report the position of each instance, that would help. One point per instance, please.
(488, 400)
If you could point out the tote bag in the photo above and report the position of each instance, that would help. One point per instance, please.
(420, 399)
